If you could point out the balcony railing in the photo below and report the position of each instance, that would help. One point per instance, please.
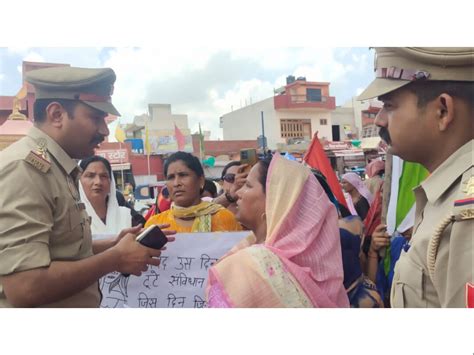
(303, 101)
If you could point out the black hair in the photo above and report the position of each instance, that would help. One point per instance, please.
(188, 159)
(96, 158)
(263, 165)
(40, 105)
(228, 166)
(210, 187)
(427, 91)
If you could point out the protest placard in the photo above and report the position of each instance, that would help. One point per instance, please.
(179, 281)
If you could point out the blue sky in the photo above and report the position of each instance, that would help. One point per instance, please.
(203, 83)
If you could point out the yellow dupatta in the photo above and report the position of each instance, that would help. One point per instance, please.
(201, 213)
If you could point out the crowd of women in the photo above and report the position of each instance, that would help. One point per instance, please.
(304, 249)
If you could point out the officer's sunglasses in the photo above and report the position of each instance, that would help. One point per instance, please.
(230, 178)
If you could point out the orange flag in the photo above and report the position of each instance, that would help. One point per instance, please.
(180, 138)
(317, 159)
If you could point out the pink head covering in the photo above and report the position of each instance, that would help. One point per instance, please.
(302, 233)
(306, 236)
(374, 167)
(357, 182)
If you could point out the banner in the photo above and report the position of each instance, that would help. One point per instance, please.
(180, 280)
(165, 141)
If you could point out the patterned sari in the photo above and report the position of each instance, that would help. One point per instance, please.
(299, 264)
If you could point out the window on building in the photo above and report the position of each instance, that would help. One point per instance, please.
(323, 122)
(370, 131)
(313, 95)
(295, 129)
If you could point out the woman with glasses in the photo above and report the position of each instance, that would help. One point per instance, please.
(228, 180)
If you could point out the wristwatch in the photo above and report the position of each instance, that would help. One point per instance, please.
(230, 198)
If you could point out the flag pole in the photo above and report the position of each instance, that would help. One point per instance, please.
(121, 166)
(200, 143)
(147, 144)
(119, 137)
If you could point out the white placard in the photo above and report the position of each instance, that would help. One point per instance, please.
(179, 281)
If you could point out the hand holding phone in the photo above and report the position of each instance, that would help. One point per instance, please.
(152, 237)
(248, 156)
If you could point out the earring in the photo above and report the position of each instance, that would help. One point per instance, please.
(263, 216)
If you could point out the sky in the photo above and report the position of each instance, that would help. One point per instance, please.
(202, 82)
(208, 57)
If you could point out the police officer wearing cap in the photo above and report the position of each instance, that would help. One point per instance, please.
(427, 117)
(47, 256)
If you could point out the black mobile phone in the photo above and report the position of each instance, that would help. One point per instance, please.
(248, 156)
(152, 237)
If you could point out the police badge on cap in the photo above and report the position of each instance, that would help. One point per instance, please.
(396, 67)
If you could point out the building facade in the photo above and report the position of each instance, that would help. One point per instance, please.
(164, 127)
(294, 114)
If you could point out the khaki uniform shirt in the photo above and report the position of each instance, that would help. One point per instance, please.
(42, 219)
(435, 201)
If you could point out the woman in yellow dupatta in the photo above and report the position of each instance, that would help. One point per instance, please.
(188, 213)
(293, 257)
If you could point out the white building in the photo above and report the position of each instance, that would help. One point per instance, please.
(361, 111)
(344, 118)
(294, 114)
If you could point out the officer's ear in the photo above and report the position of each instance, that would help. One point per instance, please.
(444, 111)
(55, 113)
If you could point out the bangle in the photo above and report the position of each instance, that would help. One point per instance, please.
(230, 198)
(373, 256)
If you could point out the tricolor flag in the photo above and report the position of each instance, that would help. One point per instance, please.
(401, 206)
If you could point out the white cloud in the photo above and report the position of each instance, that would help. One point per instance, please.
(2, 76)
(30, 56)
(206, 83)
(359, 91)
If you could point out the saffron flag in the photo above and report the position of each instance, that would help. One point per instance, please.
(147, 141)
(22, 93)
(119, 133)
(317, 159)
(180, 138)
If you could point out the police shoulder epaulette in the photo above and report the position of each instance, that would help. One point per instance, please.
(39, 158)
(464, 203)
(463, 209)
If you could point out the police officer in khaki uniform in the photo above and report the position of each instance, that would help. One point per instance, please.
(428, 117)
(47, 257)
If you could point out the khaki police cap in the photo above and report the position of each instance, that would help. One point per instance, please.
(94, 87)
(396, 67)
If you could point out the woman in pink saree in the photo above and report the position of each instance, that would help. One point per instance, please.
(293, 257)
